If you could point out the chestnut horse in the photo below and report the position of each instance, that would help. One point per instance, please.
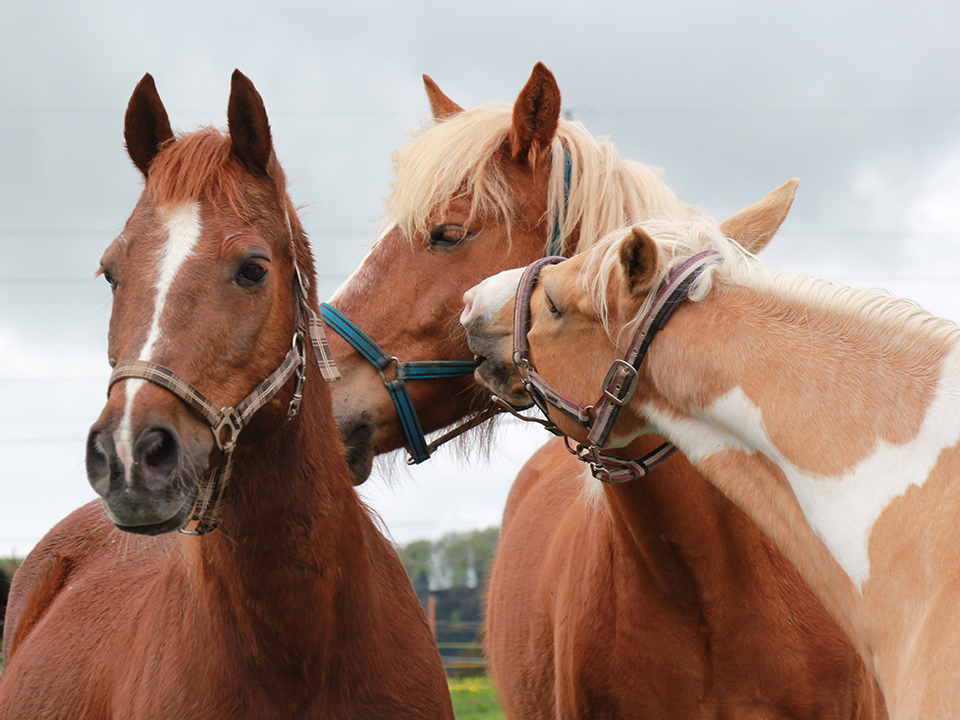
(284, 600)
(828, 413)
(656, 598)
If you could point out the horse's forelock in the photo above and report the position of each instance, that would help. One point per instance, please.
(678, 239)
(450, 159)
(201, 166)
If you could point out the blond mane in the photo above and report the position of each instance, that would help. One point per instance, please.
(894, 319)
(460, 156)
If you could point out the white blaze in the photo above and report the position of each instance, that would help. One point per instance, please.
(486, 299)
(182, 225)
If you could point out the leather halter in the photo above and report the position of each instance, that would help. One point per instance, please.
(227, 422)
(621, 379)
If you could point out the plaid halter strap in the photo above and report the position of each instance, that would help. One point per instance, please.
(226, 423)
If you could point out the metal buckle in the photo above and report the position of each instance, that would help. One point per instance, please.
(228, 420)
(632, 379)
(300, 345)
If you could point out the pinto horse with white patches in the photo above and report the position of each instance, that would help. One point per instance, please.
(829, 414)
(280, 598)
(650, 599)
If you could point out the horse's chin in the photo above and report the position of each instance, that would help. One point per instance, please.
(153, 518)
(160, 528)
(358, 442)
(501, 378)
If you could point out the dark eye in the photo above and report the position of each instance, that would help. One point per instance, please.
(550, 306)
(449, 235)
(108, 276)
(251, 273)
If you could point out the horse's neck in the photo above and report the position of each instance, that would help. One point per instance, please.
(292, 543)
(676, 509)
(828, 435)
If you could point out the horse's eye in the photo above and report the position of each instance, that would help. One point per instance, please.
(251, 273)
(449, 235)
(550, 306)
(108, 276)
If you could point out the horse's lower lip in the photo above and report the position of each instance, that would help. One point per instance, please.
(155, 529)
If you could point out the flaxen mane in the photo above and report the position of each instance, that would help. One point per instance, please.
(441, 164)
(679, 240)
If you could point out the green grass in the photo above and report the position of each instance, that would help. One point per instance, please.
(475, 699)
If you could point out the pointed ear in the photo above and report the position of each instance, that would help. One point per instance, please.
(249, 129)
(441, 106)
(639, 259)
(536, 114)
(755, 226)
(146, 125)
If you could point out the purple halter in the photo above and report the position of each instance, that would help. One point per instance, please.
(621, 380)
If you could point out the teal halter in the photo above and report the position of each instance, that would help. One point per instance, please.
(421, 369)
(410, 370)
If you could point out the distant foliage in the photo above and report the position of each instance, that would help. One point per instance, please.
(457, 560)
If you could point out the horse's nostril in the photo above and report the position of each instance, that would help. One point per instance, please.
(158, 455)
(98, 462)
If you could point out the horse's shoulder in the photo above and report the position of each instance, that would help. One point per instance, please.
(548, 469)
(85, 545)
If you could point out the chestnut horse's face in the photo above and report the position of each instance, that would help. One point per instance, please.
(406, 294)
(202, 287)
(569, 346)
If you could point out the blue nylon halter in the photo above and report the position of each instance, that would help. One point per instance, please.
(419, 369)
(554, 248)
(408, 370)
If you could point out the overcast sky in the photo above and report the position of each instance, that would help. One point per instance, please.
(860, 100)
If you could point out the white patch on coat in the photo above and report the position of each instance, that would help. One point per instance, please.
(182, 225)
(841, 509)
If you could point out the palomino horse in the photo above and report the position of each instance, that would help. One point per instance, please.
(295, 606)
(828, 413)
(650, 599)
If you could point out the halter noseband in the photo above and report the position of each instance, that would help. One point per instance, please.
(230, 421)
(621, 379)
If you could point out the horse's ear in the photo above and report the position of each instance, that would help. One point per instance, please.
(441, 106)
(249, 129)
(146, 126)
(536, 114)
(755, 226)
(639, 259)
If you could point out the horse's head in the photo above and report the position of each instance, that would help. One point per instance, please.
(470, 199)
(583, 313)
(203, 279)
